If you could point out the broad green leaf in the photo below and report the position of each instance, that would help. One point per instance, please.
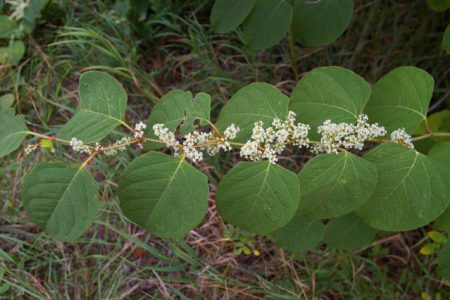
(8, 27)
(267, 23)
(300, 234)
(348, 232)
(400, 99)
(255, 102)
(329, 93)
(61, 199)
(259, 197)
(334, 185)
(13, 53)
(438, 5)
(446, 40)
(410, 192)
(101, 108)
(163, 194)
(441, 153)
(317, 23)
(12, 132)
(227, 15)
(176, 109)
(6, 102)
(443, 261)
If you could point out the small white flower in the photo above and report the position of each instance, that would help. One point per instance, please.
(231, 132)
(258, 132)
(346, 135)
(400, 136)
(139, 130)
(79, 146)
(31, 148)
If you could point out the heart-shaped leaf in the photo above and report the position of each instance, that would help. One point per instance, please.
(317, 23)
(329, 93)
(101, 108)
(253, 103)
(410, 191)
(61, 199)
(259, 197)
(176, 109)
(267, 24)
(164, 194)
(400, 99)
(334, 185)
(226, 15)
(12, 132)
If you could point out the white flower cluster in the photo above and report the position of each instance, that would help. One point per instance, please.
(114, 151)
(139, 130)
(79, 146)
(196, 142)
(270, 142)
(400, 136)
(345, 135)
(31, 148)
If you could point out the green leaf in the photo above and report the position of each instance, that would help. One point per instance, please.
(163, 194)
(429, 249)
(254, 102)
(410, 192)
(348, 232)
(101, 108)
(400, 99)
(61, 199)
(8, 27)
(329, 93)
(446, 40)
(441, 153)
(259, 197)
(300, 234)
(438, 5)
(267, 23)
(443, 261)
(13, 53)
(317, 23)
(227, 15)
(6, 102)
(176, 109)
(12, 132)
(334, 185)
(436, 237)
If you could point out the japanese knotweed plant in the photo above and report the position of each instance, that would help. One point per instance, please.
(365, 175)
